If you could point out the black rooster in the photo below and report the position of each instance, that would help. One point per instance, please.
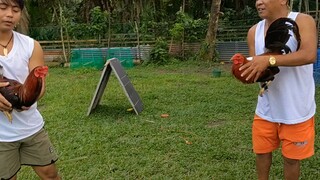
(277, 36)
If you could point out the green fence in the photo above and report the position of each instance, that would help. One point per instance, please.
(97, 57)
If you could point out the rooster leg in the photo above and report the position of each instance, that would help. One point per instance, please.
(9, 116)
(264, 87)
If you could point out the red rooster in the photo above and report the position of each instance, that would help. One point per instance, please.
(25, 94)
(239, 59)
(276, 38)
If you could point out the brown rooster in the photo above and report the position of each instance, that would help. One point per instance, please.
(25, 94)
(239, 59)
(276, 38)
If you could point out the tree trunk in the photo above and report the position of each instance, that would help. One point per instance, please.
(208, 49)
(138, 40)
(317, 14)
(300, 5)
(317, 9)
(61, 34)
(306, 6)
(109, 27)
(183, 33)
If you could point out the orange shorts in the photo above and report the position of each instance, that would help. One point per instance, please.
(297, 139)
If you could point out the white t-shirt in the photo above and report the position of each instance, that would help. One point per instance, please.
(290, 98)
(15, 66)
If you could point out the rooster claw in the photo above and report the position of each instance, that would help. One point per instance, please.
(261, 92)
(264, 87)
(8, 115)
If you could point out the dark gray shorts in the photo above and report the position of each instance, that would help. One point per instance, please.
(36, 150)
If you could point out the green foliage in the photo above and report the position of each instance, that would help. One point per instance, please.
(250, 15)
(98, 21)
(154, 22)
(47, 17)
(202, 55)
(157, 19)
(146, 21)
(231, 17)
(97, 27)
(177, 31)
(159, 54)
(197, 30)
(80, 31)
(188, 29)
(160, 29)
(38, 16)
(45, 33)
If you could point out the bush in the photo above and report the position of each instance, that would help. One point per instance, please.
(160, 52)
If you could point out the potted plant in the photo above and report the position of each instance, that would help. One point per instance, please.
(216, 72)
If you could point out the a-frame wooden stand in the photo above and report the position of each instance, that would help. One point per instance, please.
(115, 66)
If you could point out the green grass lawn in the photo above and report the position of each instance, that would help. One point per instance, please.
(206, 136)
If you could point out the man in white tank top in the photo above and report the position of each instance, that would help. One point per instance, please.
(24, 140)
(285, 113)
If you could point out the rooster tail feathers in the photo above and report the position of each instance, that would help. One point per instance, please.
(279, 47)
(295, 29)
(278, 35)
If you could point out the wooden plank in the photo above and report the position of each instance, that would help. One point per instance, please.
(100, 88)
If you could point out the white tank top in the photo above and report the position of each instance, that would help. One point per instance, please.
(290, 98)
(15, 66)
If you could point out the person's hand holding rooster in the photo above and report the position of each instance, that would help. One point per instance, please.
(5, 105)
(255, 67)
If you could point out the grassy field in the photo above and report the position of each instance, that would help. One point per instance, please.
(206, 136)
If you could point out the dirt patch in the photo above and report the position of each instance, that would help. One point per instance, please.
(215, 123)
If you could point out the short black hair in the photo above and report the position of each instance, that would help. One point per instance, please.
(20, 3)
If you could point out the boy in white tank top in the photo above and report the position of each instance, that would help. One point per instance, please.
(285, 113)
(23, 141)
